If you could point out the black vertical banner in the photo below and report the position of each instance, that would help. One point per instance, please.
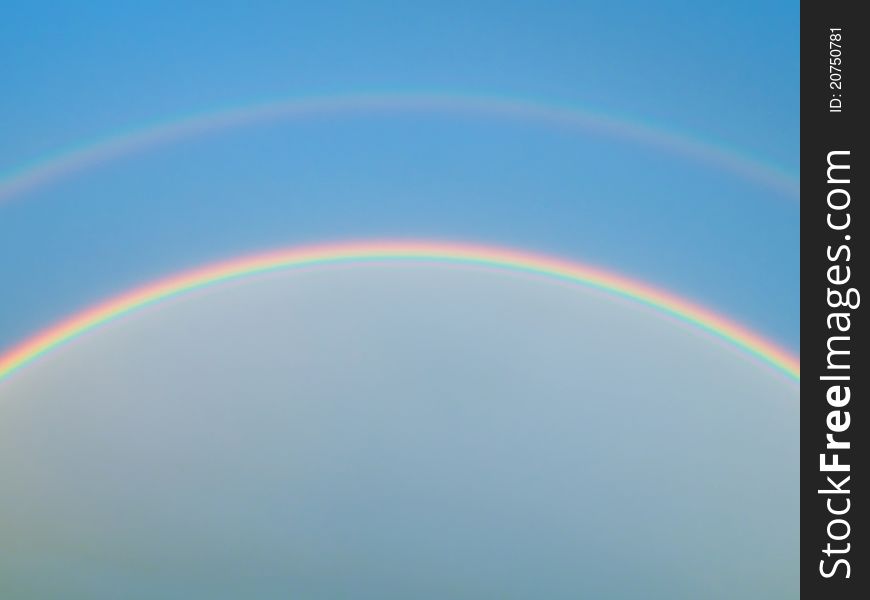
(835, 371)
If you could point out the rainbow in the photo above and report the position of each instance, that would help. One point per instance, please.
(367, 252)
(84, 156)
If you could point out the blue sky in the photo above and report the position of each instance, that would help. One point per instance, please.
(724, 72)
(283, 431)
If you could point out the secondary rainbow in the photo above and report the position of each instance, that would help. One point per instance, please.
(81, 157)
(379, 251)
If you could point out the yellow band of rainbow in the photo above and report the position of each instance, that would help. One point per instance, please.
(750, 342)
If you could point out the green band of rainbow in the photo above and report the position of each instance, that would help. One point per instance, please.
(53, 337)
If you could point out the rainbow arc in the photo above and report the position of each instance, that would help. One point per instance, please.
(60, 164)
(665, 302)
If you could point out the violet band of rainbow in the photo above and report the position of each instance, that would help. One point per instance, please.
(719, 326)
